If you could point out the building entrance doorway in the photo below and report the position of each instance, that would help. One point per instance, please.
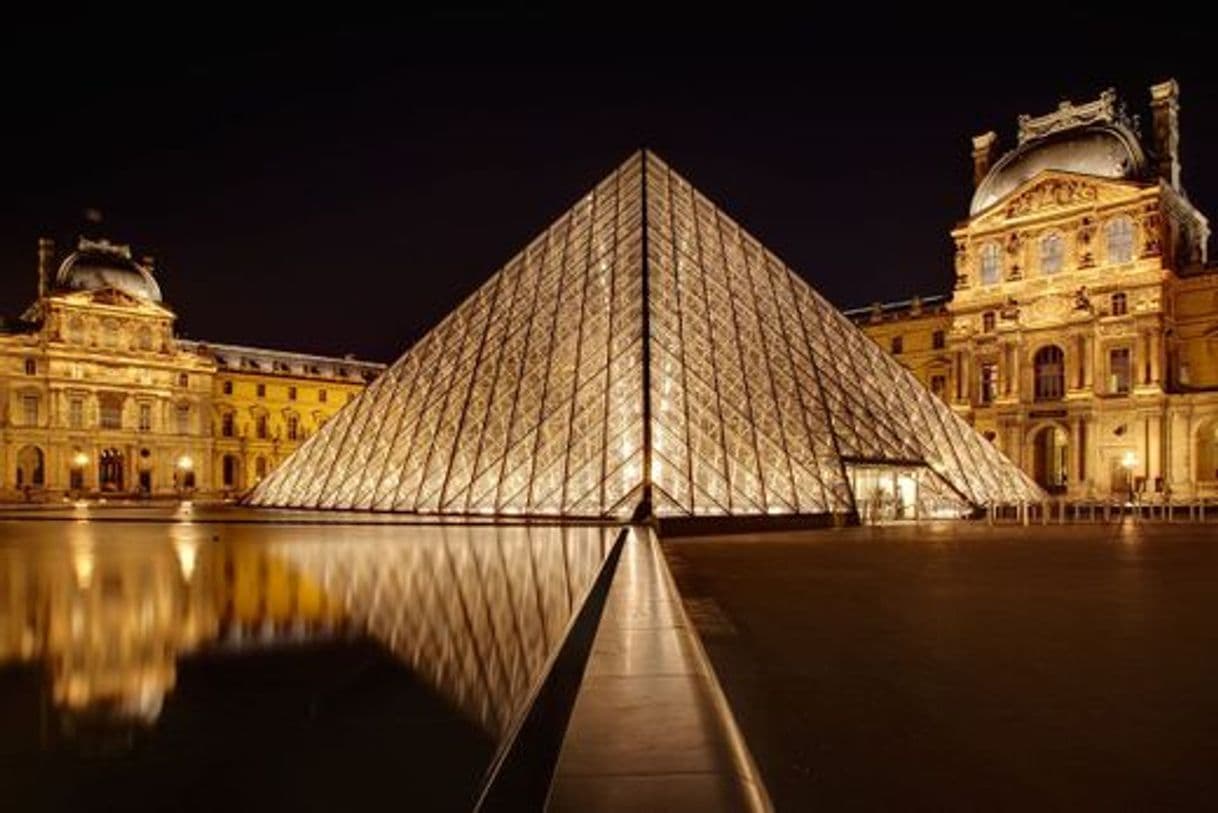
(110, 470)
(30, 471)
(1050, 458)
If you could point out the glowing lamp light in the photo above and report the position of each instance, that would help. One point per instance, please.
(185, 463)
(80, 460)
(1129, 461)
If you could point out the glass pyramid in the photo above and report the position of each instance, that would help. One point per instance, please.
(643, 354)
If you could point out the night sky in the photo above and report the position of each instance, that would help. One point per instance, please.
(337, 187)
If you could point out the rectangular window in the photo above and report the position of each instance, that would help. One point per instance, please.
(31, 367)
(262, 390)
(145, 417)
(321, 396)
(184, 419)
(291, 393)
(76, 413)
(1119, 370)
(260, 427)
(111, 410)
(988, 321)
(228, 388)
(938, 341)
(183, 380)
(29, 408)
(293, 427)
(938, 384)
(1119, 305)
(989, 382)
(898, 345)
(226, 425)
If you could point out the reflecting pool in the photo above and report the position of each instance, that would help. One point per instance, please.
(201, 663)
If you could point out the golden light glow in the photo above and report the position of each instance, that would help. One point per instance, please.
(80, 460)
(723, 370)
(185, 463)
(1129, 460)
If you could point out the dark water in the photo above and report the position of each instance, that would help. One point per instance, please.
(185, 664)
(969, 668)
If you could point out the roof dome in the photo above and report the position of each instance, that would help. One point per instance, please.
(1102, 150)
(1097, 138)
(100, 264)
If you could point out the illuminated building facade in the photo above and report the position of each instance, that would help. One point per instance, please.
(645, 356)
(97, 394)
(1082, 334)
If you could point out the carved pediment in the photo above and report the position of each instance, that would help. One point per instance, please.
(1050, 191)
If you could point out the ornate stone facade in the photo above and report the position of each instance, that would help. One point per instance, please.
(1082, 333)
(98, 396)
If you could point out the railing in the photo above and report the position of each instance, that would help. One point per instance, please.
(1140, 509)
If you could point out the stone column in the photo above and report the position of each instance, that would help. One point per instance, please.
(1156, 350)
(1154, 449)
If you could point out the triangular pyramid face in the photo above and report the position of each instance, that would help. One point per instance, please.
(539, 396)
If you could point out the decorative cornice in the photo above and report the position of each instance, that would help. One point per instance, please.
(1107, 109)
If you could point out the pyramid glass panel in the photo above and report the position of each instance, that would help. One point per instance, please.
(644, 351)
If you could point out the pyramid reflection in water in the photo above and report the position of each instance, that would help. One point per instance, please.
(643, 350)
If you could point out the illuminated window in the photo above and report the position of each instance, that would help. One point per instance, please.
(260, 467)
(226, 425)
(988, 321)
(29, 408)
(145, 417)
(31, 367)
(1119, 235)
(1052, 249)
(938, 340)
(898, 345)
(1120, 306)
(1119, 370)
(989, 382)
(1050, 373)
(991, 264)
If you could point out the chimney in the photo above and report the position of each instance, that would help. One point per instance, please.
(46, 256)
(1165, 107)
(983, 155)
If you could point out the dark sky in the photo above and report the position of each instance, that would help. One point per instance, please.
(337, 186)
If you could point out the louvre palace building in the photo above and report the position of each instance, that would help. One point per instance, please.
(1081, 336)
(99, 396)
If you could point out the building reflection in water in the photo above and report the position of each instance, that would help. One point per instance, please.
(108, 610)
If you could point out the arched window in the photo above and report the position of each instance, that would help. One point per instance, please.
(1119, 238)
(991, 263)
(1050, 370)
(30, 467)
(1052, 249)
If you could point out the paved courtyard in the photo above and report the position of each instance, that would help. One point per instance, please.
(967, 667)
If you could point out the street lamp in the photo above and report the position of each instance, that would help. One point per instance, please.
(79, 461)
(1129, 461)
(185, 467)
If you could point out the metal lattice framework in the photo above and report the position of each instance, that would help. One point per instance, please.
(475, 611)
(643, 349)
